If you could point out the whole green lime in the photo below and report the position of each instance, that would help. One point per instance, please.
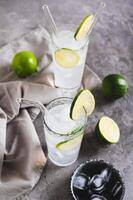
(114, 86)
(24, 63)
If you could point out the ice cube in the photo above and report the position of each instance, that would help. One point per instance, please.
(81, 181)
(97, 183)
(106, 174)
(97, 197)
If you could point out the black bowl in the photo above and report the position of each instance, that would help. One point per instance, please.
(82, 181)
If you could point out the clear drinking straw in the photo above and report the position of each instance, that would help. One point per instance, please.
(49, 19)
(39, 105)
(98, 12)
(36, 104)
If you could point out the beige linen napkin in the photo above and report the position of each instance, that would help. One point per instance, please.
(22, 146)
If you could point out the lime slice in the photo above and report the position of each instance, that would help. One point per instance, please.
(108, 130)
(83, 102)
(84, 27)
(66, 58)
(69, 144)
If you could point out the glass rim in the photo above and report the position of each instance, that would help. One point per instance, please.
(85, 40)
(59, 134)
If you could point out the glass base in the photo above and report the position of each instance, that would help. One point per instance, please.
(61, 165)
(70, 92)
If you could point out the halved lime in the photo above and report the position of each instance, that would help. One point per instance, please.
(83, 102)
(84, 27)
(66, 58)
(69, 144)
(108, 130)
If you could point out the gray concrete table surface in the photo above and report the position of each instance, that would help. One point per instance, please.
(110, 51)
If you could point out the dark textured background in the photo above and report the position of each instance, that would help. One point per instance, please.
(110, 51)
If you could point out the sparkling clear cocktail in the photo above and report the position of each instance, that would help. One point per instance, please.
(63, 135)
(69, 57)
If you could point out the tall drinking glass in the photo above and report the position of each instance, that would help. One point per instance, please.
(69, 57)
(63, 135)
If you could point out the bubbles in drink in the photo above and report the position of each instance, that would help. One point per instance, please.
(58, 119)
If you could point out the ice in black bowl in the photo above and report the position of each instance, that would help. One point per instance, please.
(97, 180)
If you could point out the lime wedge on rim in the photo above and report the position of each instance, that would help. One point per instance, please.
(84, 27)
(66, 58)
(83, 102)
(107, 130)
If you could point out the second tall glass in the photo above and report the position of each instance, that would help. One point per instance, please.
(69, 57)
